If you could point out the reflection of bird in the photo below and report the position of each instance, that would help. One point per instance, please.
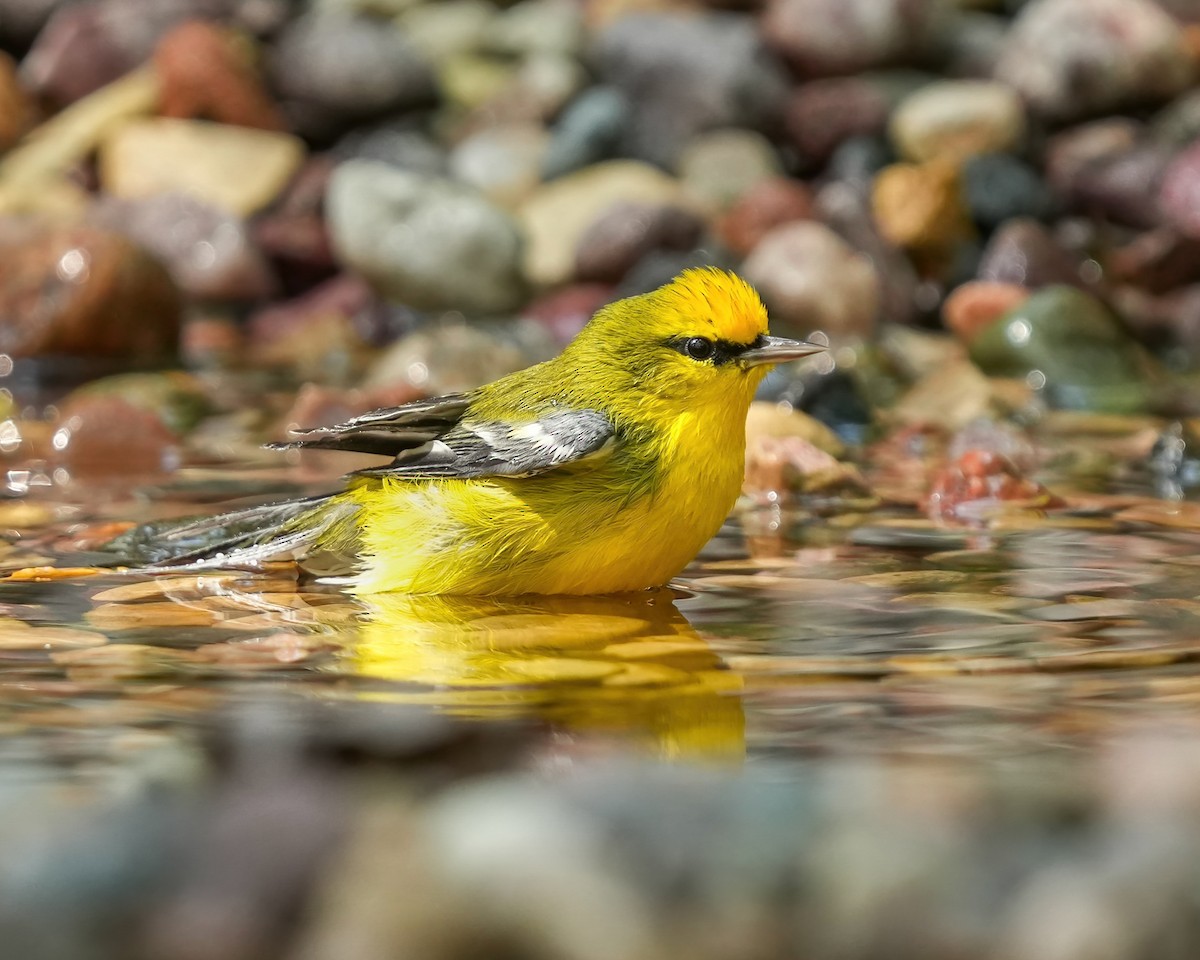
(629, 665)
(603, 470)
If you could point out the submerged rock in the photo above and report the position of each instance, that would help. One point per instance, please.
(981, 484)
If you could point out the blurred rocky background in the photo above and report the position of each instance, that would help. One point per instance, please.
(987, 207)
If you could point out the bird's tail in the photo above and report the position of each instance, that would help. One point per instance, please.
(319, 531)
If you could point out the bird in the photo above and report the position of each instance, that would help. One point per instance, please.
(603, 470)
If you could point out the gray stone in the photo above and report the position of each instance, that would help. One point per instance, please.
(427, 242)
(684, 74)
(589, 130)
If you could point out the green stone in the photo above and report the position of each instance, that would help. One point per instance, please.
(1069, 338)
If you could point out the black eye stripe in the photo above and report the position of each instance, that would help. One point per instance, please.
(723, 351)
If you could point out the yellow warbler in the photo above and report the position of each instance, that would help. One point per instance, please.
(603, 470)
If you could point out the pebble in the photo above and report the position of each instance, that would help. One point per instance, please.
(565, 312)
(980, 484)
(778, 466)
(1179, 192)
(1074, 347)
(538, 27)
(813, 280)
(334, 69)
(449, 28)
(428, 243)
(399, 142)
(974, 306)
(686, 73)
(502, 162)
(293, 233)
(16, 110)
(85, 46)
(235, 168)
(1156, 260)
(1122, 186)
(208, 251)
(82, 291)
(957, 119)
(105, 435)
(590, 130)
(1023, 252)
(624, 234)
(718, 167)
(768, 203)
(207, 72)
(920, 206)
(822, 114)
(1121, 52)
(825, 37)
(999, 187)
(558, 214)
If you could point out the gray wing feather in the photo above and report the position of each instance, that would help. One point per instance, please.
(493, 449)
(388, 432)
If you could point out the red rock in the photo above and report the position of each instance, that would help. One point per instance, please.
(105, 435)
(80, 290)
(778, 466)
(764, 206)
(206, 73)
(978, 484)
(294, 234)
(564, 312)
(971, 308)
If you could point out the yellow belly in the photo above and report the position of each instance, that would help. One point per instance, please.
(566, 534)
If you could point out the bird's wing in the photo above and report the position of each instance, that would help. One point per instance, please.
(475, 448)
(388, 432)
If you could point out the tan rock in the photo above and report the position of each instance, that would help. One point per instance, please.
(920, 206)
(235, 168)
(557, 215)
(777, 420)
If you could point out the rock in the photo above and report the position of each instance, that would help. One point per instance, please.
(317, 334)
(1178, 123)
(823, 37)
(1168, 323)
(556, 216)
(333, 70)
(790, 465)
(718, 167)
(1122, 186)
(1071, 151)
(781, 421)
(235, 168)
(105, 435)
(956, 119)
(449, 28)
(501, 162)
(82, 291)
(920, 206)
(542, 86)
(471, 82)
(659, 267)
(590, 130)
(812, 280)
(1073, 346)
(20, 20)
(16, 112)
(207, 251)
(975, 306)
(1024, 253)
(177, 399)
(765, 205)
(999, 187)
(974, 42)
(1120, 52)
(399, 143)
(1156, 260)
(85, 46)
(429, 243)
(1179, 192)
(451, 356)
(293, 233)
(858, 161)
(538, 26)
(952, 396)
(981, 484)
(565, 312)
(687, 73)
(208, 73)
(625, 233)
(822, 114)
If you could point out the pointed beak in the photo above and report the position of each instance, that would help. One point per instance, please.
(778, 350)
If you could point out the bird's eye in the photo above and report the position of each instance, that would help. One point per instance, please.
(699, 348)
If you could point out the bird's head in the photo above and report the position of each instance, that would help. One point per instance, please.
(702, 335)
